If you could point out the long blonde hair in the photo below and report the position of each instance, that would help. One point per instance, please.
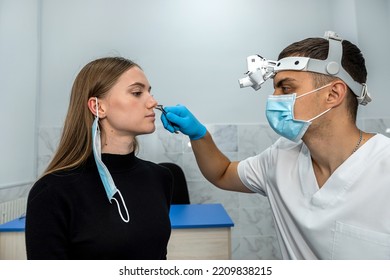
(94, 80)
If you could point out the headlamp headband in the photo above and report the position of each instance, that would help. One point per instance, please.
(260, 69)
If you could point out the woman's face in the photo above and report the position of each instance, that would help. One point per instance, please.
(128, 106)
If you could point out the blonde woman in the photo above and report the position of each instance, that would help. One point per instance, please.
(96, 199)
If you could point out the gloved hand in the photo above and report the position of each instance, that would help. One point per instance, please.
(180, 118)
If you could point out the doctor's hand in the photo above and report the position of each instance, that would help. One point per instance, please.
(180, 118)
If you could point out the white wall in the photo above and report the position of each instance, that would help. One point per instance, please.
(18, 79)
(193, 51)
(373, 18)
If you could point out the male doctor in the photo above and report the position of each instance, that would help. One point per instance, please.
(327, 181)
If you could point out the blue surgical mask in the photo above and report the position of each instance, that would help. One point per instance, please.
(105, 175)
(280, 115)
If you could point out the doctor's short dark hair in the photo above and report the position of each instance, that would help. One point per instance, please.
(352, 61)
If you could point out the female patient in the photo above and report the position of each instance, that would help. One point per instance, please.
(97, 200)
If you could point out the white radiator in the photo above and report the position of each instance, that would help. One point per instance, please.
(13, 209)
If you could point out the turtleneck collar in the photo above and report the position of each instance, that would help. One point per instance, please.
(119, 163)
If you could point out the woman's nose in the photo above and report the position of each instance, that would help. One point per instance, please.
(152, 101)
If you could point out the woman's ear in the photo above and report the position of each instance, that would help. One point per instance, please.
(94, 105)
(337, 93)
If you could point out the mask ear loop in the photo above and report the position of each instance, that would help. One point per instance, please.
(124, 206)
(120, 194)
(96, 107)
(314, 90)
(326, 111)
(316, 117)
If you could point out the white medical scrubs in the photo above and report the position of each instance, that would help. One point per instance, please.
(347, 218)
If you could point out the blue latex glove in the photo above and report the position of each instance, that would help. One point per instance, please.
(180, 118)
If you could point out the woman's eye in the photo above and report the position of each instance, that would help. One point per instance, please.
(137, 93)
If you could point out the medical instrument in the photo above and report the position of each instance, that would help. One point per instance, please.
(261, 69)
(161, 108)
(185, 122)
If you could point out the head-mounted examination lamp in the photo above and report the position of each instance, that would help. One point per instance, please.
(261, 69)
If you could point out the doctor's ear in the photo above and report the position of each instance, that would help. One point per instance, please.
(95, 106)
(338, 92)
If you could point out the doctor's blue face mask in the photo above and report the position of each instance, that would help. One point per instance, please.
(104, 174)
(280, 115)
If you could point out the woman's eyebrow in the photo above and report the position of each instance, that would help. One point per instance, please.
(140, 85)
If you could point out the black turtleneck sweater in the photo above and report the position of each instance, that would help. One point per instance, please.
(70, 217)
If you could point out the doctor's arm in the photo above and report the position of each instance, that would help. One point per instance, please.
(213, 164)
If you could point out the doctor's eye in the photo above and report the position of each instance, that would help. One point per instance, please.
(286, 89)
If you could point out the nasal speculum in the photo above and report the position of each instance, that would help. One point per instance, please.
(161, 108)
